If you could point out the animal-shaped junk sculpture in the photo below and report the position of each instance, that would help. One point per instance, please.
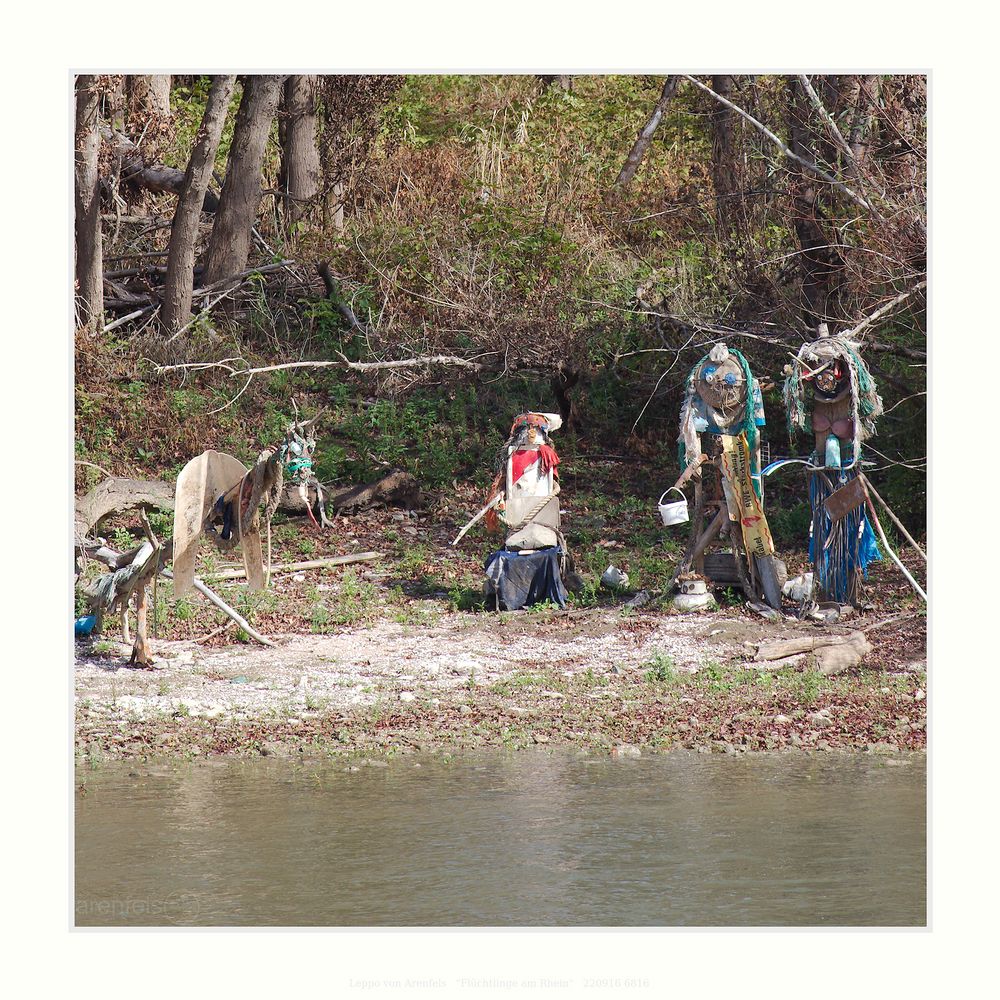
(219, 498)
(204, 483)
(719, 431)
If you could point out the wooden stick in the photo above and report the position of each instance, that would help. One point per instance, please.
(892, 555)
(222, 606)
(895, 520)
(690, 471)
(354, 557)
(713, 529)
(213, 633)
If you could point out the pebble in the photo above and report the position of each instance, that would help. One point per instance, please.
(299, 578)
(294, 722)
(540, 738)
(406, 696)
(626, 750)
(820, 719)
(464, 709)
(782, 720)
(920, 695)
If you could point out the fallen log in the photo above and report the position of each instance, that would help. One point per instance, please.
(238, 573)
(117, 495)
(833, 653)
(395, 487)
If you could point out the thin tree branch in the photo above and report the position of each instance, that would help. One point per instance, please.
(882, 311)
(764, 130)
(645, 137)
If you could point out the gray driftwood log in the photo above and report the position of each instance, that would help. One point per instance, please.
(117, 495)
(833, 653)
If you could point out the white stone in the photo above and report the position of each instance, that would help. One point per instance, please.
(406, 696)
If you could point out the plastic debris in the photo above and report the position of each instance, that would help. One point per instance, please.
(613, 578)
(85, 625)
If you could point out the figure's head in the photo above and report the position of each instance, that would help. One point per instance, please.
(720, 382)
(533, 428)
(832, 381)
(298, 448)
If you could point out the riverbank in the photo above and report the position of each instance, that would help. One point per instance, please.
(599, 679)
(398, 656)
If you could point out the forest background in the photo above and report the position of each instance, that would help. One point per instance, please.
(572, 243)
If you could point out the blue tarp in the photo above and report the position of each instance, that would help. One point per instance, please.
(518, 581)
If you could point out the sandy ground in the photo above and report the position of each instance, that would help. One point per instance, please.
(587, 675)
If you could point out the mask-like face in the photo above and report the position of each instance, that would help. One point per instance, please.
(722, 385)
(832, 381)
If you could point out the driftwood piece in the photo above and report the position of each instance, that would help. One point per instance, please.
(833, 653)
(200, 483)
(394, 487)
(116, 495)
(345, 560)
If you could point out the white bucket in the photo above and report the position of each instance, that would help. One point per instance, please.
(675, 512)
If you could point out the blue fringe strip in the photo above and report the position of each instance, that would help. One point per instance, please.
(853, 546)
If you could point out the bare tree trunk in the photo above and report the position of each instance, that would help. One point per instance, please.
(861, 122)
(229, 249)
(821, 263)
(725, 169)
(150, 95)
(89, 278)
(563, 82)
(159, 94)
(645, 137)
(300, 166)
(184, 231)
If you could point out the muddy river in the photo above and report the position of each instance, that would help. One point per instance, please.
(505, 840)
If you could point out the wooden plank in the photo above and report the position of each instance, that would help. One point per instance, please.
(842, 501)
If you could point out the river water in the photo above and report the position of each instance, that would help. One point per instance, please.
(505, 840)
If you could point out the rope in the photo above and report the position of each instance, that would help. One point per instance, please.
(536, 510)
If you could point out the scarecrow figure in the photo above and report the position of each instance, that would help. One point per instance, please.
(830, 394)
(720, 449)
(524, 497)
